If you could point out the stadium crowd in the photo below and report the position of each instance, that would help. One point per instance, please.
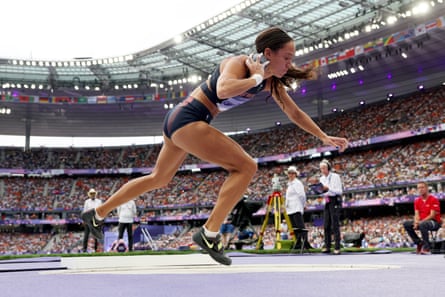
(388, 172)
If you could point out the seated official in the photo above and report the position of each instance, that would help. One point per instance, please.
(426, 218)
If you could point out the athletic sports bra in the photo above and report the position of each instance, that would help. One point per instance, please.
(226, 104)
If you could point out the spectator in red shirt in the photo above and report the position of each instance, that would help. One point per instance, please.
(426, 218)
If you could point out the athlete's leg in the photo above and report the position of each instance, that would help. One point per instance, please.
(211, 145)
(169, 159)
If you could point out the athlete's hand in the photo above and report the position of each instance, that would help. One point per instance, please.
(257, 64)
(339, 142)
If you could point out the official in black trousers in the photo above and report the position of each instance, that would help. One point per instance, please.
(295, 204)
(333, 190)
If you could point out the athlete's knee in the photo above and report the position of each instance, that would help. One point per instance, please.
(159, 179)
(247, 166)
(252, 166)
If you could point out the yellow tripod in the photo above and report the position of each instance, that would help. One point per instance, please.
(276, 201)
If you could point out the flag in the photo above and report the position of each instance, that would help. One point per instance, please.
(431, 25)
(402, 35)
(359, 50)
(111, 99)
(388, 40)
(129, 99)
(61, 99)
(323, 61)
(440, 22)
(23, 98)
(379, 42)
(369, 46)
(315, 63)
(420, 29)
(82, 100)
(343, 55)
(332, 58)
(101, 99)
(43, 100)
(91, 100)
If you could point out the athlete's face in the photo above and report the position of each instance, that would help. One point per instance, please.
(280, 60)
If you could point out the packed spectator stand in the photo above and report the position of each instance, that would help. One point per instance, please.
(40, 210)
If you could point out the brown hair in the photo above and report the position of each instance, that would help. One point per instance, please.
(275, 38)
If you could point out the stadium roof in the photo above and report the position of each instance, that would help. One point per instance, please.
(320, 28)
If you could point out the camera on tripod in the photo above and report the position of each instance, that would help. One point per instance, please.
(241, 218)
(276, 185)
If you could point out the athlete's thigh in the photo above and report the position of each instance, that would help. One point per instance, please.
(169, 159)
(211, 145)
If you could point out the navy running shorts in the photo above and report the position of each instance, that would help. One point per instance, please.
(188, 111)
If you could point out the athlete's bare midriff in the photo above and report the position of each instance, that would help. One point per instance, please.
(199, 95)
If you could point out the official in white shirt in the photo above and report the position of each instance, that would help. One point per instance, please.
(333, 191)
(295, 202)
(127, 212)
(91, 202)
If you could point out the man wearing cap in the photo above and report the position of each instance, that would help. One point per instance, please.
(90, 203)
(295, 203)
(333, 190)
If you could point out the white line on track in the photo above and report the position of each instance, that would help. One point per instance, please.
(189, 264)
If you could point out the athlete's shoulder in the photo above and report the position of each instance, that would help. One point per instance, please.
(235, 59)
(234, 64)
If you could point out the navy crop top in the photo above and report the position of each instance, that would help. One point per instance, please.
(225, 104)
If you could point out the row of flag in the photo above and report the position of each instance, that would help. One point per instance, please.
(374, 44)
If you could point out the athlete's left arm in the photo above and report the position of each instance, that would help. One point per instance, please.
(304, 121)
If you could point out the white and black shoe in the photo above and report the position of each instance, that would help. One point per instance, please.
(94, 224)
(213, 246)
